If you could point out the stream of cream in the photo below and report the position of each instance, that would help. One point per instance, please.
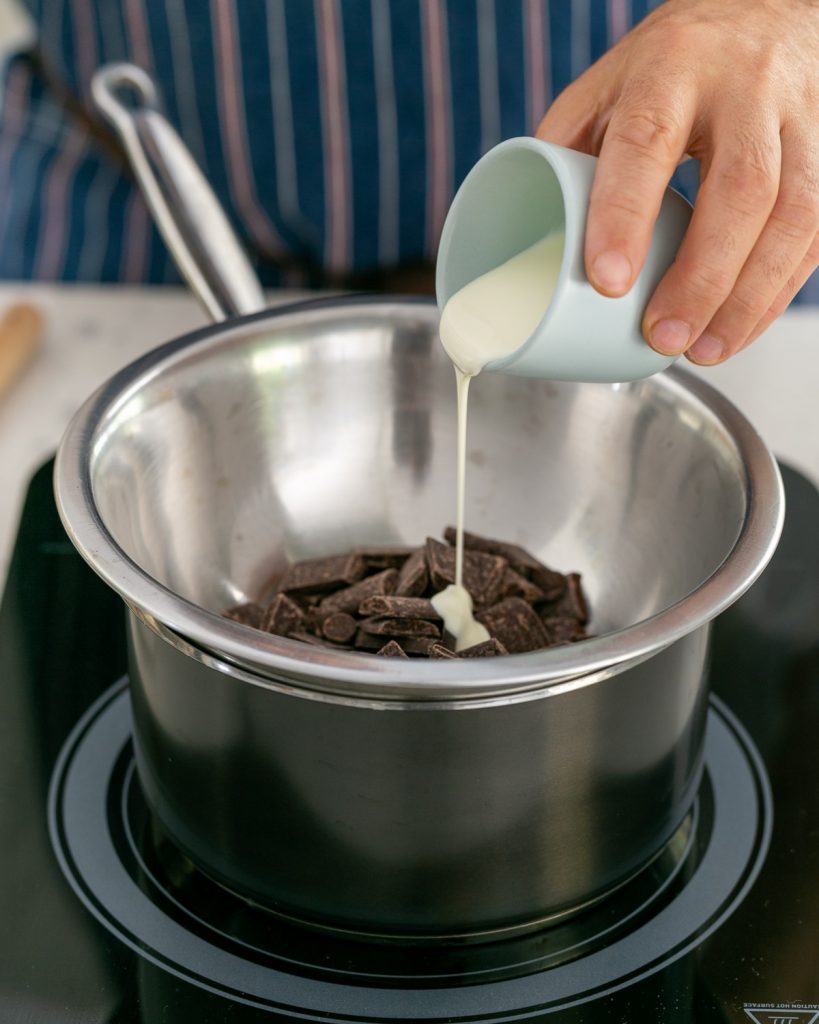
(488, 319)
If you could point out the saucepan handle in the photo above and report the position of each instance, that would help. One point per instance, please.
(183, 205)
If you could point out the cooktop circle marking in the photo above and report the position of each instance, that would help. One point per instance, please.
(83, 844)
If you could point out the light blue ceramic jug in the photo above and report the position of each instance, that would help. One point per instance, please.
(517, 193)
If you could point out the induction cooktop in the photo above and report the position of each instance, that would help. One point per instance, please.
(104, 920)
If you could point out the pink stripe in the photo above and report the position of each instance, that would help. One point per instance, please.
(537, 62)
(234, 130)
(14, 107)
(138, 35)
(85, 40)
(135, 232)
(438, 108)
(50, 251)
(335, 131)
(618, 20)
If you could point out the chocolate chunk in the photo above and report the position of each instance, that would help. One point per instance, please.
(516, 624)
(365, 641)
(339, 627)
(318, 575)
(315, 641)
(350, 598)
(399, 607)
(249, 614)
(283, 615)
(563, 630)
(514, 584)
(400, 627)
(518, 557)
(571, 603)
(392, 649)
(482, 573)
(486, 649)
(413, 578)
(385, 556)
(552, 583)
(439, 651)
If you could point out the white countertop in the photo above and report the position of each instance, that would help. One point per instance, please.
(93, 331)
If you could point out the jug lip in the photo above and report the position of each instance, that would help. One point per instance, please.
(360, 675)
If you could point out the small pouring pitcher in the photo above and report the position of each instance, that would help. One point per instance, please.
(517, 193)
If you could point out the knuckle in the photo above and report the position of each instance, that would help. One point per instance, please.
(746, 186)
(796, 213)
(749, 303)
(705, 281)
(653, 132)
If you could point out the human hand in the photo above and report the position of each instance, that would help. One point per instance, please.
(734, 83)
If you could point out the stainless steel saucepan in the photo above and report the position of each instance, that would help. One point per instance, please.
(390, 795)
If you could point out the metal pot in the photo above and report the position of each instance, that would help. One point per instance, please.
(384, 795)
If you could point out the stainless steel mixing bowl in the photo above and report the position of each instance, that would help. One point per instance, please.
(397, 795)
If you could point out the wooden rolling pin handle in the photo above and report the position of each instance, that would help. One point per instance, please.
(21, 331)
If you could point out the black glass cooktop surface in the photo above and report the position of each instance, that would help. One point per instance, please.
(102, 919)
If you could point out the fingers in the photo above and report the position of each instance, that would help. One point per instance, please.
(735, 200)
(786, 295)
(570, 119)
(777, 256)
(644, 141)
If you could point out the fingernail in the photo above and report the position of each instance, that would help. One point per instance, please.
(670, 336)
(612, 271)
(706, 350)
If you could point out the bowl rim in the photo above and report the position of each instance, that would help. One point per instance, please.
(277, 658)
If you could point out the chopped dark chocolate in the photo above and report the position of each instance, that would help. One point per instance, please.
(516, 624)
(248, 614)
(514, 584)
(485, 649)
(439, 651)
(348, 599)
(552, 583)
(392, 649)
(413, 579)
(482, 573)
(571, 603)
(283, 616)
(518, 557)
(377, 599)
(384, 556)
(318, 575)
(313, 640)
(399, 607)
(339, 627)
(401, 627)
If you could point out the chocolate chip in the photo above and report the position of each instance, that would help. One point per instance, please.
(384, 556)
(485, 649)
(248, 614)
(482, 573)
(516, 624)
(400, 627)
(413, 578)
(318, 575)
(339, 627)
(399, 607)
(348, 599)
(392, 649)
(283, 615)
